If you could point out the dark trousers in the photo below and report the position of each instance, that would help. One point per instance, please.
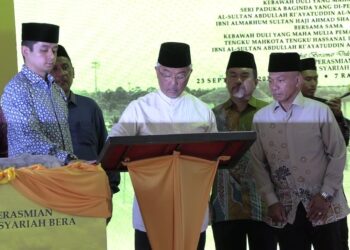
(233, 234)
(142, 242)
(301, 235)
(344, 232)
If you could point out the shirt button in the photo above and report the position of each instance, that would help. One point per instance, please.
(283, 145)
(303, 159)
(301, 179)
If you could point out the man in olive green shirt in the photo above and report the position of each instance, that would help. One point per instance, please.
(237, 209)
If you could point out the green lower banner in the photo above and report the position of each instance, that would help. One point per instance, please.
(27, 225)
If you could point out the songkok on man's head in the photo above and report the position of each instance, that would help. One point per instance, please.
(61, 51)
(174, 55)
(308, 64)
(284, 62)
(241, 59)
(40, 32)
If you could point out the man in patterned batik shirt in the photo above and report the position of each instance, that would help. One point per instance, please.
(309, 75)
(298, 162)
(34, 106)
(237, 209)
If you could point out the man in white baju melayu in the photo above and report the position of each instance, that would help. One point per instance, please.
(168, 110)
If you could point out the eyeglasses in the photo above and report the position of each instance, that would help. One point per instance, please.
(178, 77)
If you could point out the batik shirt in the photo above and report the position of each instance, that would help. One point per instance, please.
(234, 195)
(37, 116)
(342, 121)
(298, 154)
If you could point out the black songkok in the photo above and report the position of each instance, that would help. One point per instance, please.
(40, 32)
(308, 64)
(284, 62)
(241, 59)
(174, 55)
(61, 51)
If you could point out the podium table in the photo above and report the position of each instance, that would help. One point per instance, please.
(172, 176)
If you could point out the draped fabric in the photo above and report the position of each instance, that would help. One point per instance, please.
(173, 192)
(77, 189)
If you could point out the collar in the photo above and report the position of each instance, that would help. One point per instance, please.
(34, 77)
(229, 104)
(299, 100)
(171, 101)
(72, 98)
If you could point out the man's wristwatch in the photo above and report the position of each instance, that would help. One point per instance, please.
(326, 196)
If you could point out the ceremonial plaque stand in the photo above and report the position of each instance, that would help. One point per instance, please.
(172, 176)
